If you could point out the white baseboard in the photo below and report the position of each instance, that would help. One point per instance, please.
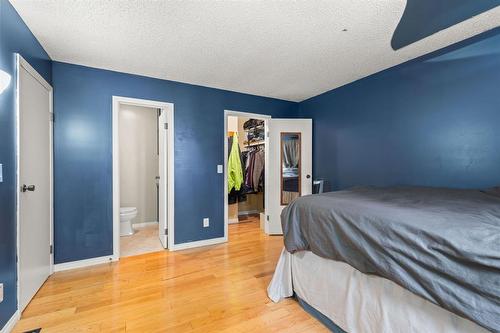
(205, 242)
(106, 259)
(233, 220)
(144, 224)
(9, 326)
(83, 263)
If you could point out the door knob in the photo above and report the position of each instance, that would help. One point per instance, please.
(25, 188)
(308, 176)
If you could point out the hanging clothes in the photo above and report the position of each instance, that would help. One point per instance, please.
(254, 170)
(234, 167)
(249, 171)
(253, 123)
(258, 169)
(291, 153)
(229, 145)
(236, 196)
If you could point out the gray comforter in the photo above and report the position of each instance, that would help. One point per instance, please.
(441, 244)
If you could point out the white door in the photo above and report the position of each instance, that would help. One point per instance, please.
(35, 183)
(162, 182)
(290, 166)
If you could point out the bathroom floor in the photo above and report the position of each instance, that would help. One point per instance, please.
(144, 240)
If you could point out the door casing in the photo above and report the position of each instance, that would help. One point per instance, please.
(169, 109)
(266, 119)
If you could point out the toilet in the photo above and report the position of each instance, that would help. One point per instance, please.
(127, 214)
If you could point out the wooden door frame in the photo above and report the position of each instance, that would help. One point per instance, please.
(22, 63)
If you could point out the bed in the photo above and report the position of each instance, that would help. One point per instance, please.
(403, 259)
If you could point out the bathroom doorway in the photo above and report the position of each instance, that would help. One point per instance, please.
(142, 176)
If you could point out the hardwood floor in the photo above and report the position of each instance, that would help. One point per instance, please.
(219, 288)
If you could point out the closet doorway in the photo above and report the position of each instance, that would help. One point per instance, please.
(246, 156)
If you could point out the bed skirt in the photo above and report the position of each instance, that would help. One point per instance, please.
(320, 317)
(357, 302)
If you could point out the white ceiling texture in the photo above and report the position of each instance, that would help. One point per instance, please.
(291, 50)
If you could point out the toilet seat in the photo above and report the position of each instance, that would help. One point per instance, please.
(126, 210)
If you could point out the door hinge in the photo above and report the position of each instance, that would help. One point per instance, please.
(267, 217)
(166, 126)
(166, 231)
(51, 250)
(51, 116)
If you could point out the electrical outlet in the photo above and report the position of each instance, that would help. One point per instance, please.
(206, 222)
(220, 168)
(1, 292)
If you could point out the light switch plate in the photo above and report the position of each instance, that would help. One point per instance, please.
(220, 168)
(1, 292)
(1, 173)
(206, 222)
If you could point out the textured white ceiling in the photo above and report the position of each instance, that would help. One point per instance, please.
(291, 50)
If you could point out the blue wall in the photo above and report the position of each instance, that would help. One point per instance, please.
(433, 121)
(14, 37)
(437, 15)
(83, 161)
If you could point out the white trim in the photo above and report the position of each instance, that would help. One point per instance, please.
(51, 167)
(83, 263)
(21, 62)
(169, 108)
(144, 224)
(266, 119)
(26, 65)
(233, 220)
(9, 326)
(18, 140)
(205, 242)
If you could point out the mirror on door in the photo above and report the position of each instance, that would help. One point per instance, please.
(290, 167)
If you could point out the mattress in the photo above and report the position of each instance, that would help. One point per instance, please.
(441, 244)
(358, 302)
